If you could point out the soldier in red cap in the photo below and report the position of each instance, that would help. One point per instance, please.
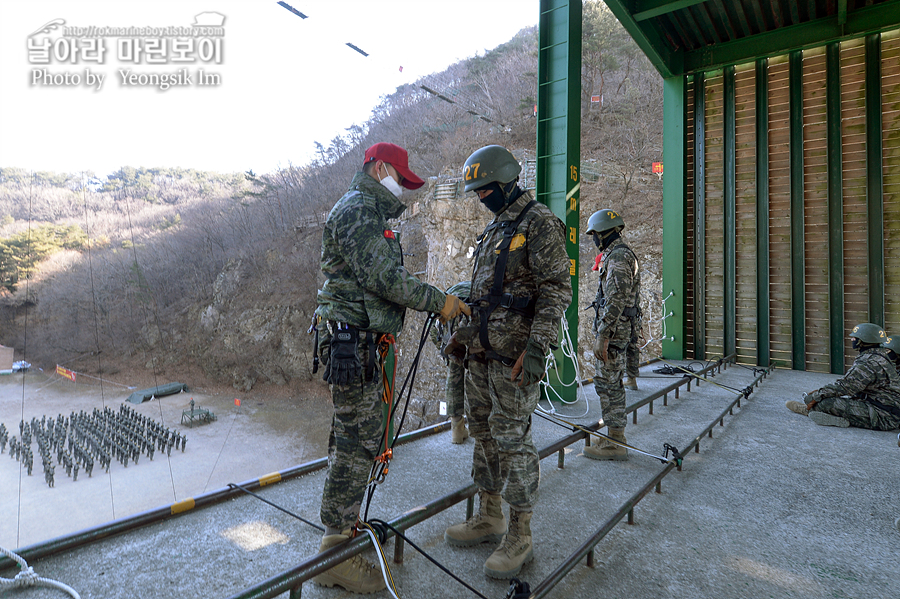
(363, 301)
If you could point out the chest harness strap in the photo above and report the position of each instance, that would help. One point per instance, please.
(496, 298)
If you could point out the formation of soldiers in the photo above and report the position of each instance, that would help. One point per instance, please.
(82, 438)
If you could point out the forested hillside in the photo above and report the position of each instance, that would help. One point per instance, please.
(146, 274)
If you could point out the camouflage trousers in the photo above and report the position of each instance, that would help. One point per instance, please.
(455, 391)
(860, 413)
(504, 460)
(355, 441)
(608, 385)
(633, 351)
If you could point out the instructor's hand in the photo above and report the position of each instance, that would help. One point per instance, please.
(601, 349)
(453, 307)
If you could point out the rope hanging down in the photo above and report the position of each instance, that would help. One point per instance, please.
(27, 578)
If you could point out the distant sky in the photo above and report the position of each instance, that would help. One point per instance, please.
(285, 82)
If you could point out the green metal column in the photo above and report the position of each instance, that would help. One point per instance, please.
(762, 212)
(673, 215)
(798, 275)
(730, 258)
(875, 178)
(835, 208)
(674, 196)
(699, 217)
(559, 143)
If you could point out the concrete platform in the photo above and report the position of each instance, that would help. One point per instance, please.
(771, 506)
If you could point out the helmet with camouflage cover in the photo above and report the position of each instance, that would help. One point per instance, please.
(869, 333)
(490, 164)
(604, 220)
(892, 342)
(461, 290)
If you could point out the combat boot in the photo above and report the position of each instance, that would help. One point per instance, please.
(515, 549)
(608, 450)
(458, 431)
(797, 407)
(355, 575)
(488, 524)
(824, 419)
(630, 383)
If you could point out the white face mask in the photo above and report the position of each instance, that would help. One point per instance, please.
(391, 184)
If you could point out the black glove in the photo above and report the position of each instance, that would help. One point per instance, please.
(344, 366)
(454, 349)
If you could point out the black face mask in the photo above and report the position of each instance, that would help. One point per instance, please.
(855, 344)
(598, 241)
(495, 201)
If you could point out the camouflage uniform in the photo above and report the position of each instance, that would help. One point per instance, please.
(866, 395)
(455, 387)
(505, 459)
(366, 287)
(633, 351)
(620, 284)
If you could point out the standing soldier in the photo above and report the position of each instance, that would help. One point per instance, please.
(363, 302)
(618, 310)
(521, 287)
(455, 388)
(868, 396)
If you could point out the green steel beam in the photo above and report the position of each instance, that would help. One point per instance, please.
(730, 308)
(674, 196)
(762, 212)
(835, 208)
(649, 39)
(875, 179)
(879, 17)
(559, 145)
(798, 275)
(655, 8)
(699, 217)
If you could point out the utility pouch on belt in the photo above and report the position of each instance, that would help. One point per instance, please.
(344, 366)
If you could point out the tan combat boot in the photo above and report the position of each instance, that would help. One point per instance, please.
(488, 524)
(355, 575)
(630, 383)
(458, 431)
(515, 550)
(797, 407)
(608, 450)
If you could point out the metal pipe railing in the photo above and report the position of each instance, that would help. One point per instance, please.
(587, 548)
(291, 580)
(121, 525)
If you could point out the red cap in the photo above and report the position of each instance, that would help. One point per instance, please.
(397, 158)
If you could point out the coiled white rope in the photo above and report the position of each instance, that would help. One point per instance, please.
(27, 578)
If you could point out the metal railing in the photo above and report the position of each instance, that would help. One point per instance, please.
(291, 580)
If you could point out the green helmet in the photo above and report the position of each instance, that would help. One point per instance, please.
(490, 164)
(869, 333)
(461, 290)
(892, 343)
(604, 220)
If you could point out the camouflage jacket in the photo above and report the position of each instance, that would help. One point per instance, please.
(872, 376)
(366, 284)
(620, 286)
(537, 267)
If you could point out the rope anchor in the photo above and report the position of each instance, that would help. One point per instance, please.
(675, 454)
(28, 578)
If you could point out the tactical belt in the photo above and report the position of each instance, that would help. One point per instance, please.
(495, 297)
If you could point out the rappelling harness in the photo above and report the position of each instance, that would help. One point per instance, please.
(495, 298)
(632, 313)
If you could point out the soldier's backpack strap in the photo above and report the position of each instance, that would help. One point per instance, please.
(496, 298)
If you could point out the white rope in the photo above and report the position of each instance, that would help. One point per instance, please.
(568, 351)
(27, 578)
